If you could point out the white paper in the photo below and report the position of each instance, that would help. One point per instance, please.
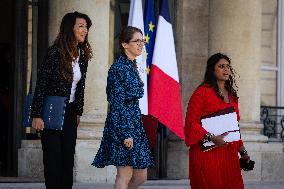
(221, 124)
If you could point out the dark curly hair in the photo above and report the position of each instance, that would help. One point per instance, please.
(211, 80)
(126, 35)
(67, 43)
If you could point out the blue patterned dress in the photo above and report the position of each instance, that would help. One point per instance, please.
(123, 121)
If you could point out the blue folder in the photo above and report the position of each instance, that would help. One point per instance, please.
(53, 112)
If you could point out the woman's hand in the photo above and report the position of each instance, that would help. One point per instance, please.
(219, 140)
(128, 143)
(244, 153)
(38, 124)
(78, 119)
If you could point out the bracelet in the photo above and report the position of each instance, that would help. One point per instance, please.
(243, 153)
(208, 137)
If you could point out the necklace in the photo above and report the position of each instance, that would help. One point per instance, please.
(225, 95)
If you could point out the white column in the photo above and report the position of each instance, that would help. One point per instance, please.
(235, 29)
(95, 97)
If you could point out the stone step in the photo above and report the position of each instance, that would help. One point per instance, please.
(272, 147)
(153, 184)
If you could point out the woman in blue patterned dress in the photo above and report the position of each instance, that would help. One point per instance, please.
(124, 143)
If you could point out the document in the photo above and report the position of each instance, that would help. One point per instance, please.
(221, 122)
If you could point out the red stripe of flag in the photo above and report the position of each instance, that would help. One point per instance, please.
(165, 101)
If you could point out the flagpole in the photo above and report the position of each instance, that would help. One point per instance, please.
(163, 151)
(157, 153)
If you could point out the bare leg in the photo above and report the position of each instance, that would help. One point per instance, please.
(139, 177)
(123, 176)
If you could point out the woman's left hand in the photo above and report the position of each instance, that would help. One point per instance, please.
(78, 120)
(246, 157)
(128, 143)
(243, 153)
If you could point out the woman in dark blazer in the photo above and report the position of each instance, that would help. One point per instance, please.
(63, 73)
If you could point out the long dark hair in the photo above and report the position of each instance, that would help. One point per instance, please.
(211, 80)
(126, 35)
(67, 43)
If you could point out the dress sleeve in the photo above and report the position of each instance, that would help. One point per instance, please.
(116, 95)
(43, 77)
(194, 132)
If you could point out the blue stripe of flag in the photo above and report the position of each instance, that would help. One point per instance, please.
(164, 10)
(150, 28)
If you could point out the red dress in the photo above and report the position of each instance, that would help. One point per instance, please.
(218, 168)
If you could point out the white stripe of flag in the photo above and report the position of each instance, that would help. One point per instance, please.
(136, 20)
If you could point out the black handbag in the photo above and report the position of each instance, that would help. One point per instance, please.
(53, 112)
(246, 165)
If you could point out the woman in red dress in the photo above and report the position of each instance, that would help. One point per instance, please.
(218, 168)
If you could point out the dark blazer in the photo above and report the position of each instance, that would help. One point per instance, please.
(50, 82)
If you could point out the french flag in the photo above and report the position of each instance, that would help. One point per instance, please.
(164, 98)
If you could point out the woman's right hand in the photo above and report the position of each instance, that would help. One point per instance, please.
(128, 143)
(219, 140)
(38, 124)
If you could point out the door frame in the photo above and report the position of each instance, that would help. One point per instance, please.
(18, 73)
(17, 85)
